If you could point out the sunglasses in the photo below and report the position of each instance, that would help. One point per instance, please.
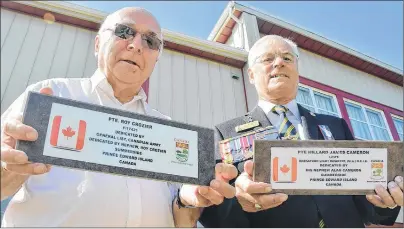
(148, 40)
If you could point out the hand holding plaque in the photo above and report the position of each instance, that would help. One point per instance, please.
(16, 161)
(254, 196)
(205, 196)
(390, 198)
(15, 165)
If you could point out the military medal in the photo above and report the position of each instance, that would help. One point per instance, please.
(240, 148)
(247, 147)
(225, 153)
(238, 156)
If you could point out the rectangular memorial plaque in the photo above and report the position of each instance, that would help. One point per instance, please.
(317, 167)
(96, 138)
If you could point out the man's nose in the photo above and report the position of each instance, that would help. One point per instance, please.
(135, 44)
(278, 62)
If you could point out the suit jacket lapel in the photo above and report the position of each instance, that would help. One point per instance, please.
(309, 123)
(258, 114)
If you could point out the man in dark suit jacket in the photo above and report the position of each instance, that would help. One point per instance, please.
(274, 72)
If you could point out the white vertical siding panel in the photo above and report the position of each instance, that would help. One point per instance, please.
(79, 54)
(165, 82)
(191, 90)
(178, 87)
(91, 61)
(230, 40)
(196, 91)
(216, 93)
(345, 78)
(24, 63)
(63, 52)
(7, 18)
(154, 86)
(251, 93)
(235, 38)
(205, 112)
(46, 53)
(238, 90)
(228, 91)
(12, 47)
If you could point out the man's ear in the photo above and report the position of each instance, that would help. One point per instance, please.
(250, 76)
(96, 45)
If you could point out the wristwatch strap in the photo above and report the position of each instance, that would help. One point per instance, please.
(180, 204)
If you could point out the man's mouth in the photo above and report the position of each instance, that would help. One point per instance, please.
(278, 75)
(131, 62)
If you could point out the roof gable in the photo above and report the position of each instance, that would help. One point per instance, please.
(305, 40)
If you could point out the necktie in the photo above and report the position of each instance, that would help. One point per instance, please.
(287, 130)
(321, 223)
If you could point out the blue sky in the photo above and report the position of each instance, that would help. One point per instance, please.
(374, 28)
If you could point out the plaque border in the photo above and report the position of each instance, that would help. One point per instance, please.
(37, 112)
(262, 161)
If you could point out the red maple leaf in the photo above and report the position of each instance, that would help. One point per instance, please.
(68, 132)
(284, 169)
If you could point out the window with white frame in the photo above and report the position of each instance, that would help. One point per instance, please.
(317, 101)
(367, 124)
(398, 123)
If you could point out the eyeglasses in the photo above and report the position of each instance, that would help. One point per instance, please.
(127, 33)
(270, 58)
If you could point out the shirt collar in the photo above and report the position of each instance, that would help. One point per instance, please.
(99, 80)
(292, 106)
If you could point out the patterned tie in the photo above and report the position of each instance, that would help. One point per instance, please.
(288, 131)
(321, 223)
(286, 128)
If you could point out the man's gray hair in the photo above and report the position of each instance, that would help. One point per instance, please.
(252, 54)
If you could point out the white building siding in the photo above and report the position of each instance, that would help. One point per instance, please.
(348, 79)
(251, 92)
(33, 50)
(235, 38)
(187, 88)
(195, 90)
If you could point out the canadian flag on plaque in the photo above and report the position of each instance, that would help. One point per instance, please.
(68, 133)
(284, 169)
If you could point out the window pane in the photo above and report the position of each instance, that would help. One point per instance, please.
(380, 134)
(398, 123)
(355, 112)
(361, 130)
(325, 102)
(375, 118)
(327, 113)
(308, 108)
(378, 126)
(303, 97)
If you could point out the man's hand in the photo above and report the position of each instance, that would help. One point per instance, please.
(254, 196)
(384, 199)
(15, 167)
(205, 196)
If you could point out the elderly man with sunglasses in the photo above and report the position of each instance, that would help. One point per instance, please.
(127, 48)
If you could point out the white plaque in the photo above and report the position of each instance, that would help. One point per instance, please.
(328, 168)
(90, 136)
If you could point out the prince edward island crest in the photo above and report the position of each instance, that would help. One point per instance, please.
(181, 150)
(377, 170)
